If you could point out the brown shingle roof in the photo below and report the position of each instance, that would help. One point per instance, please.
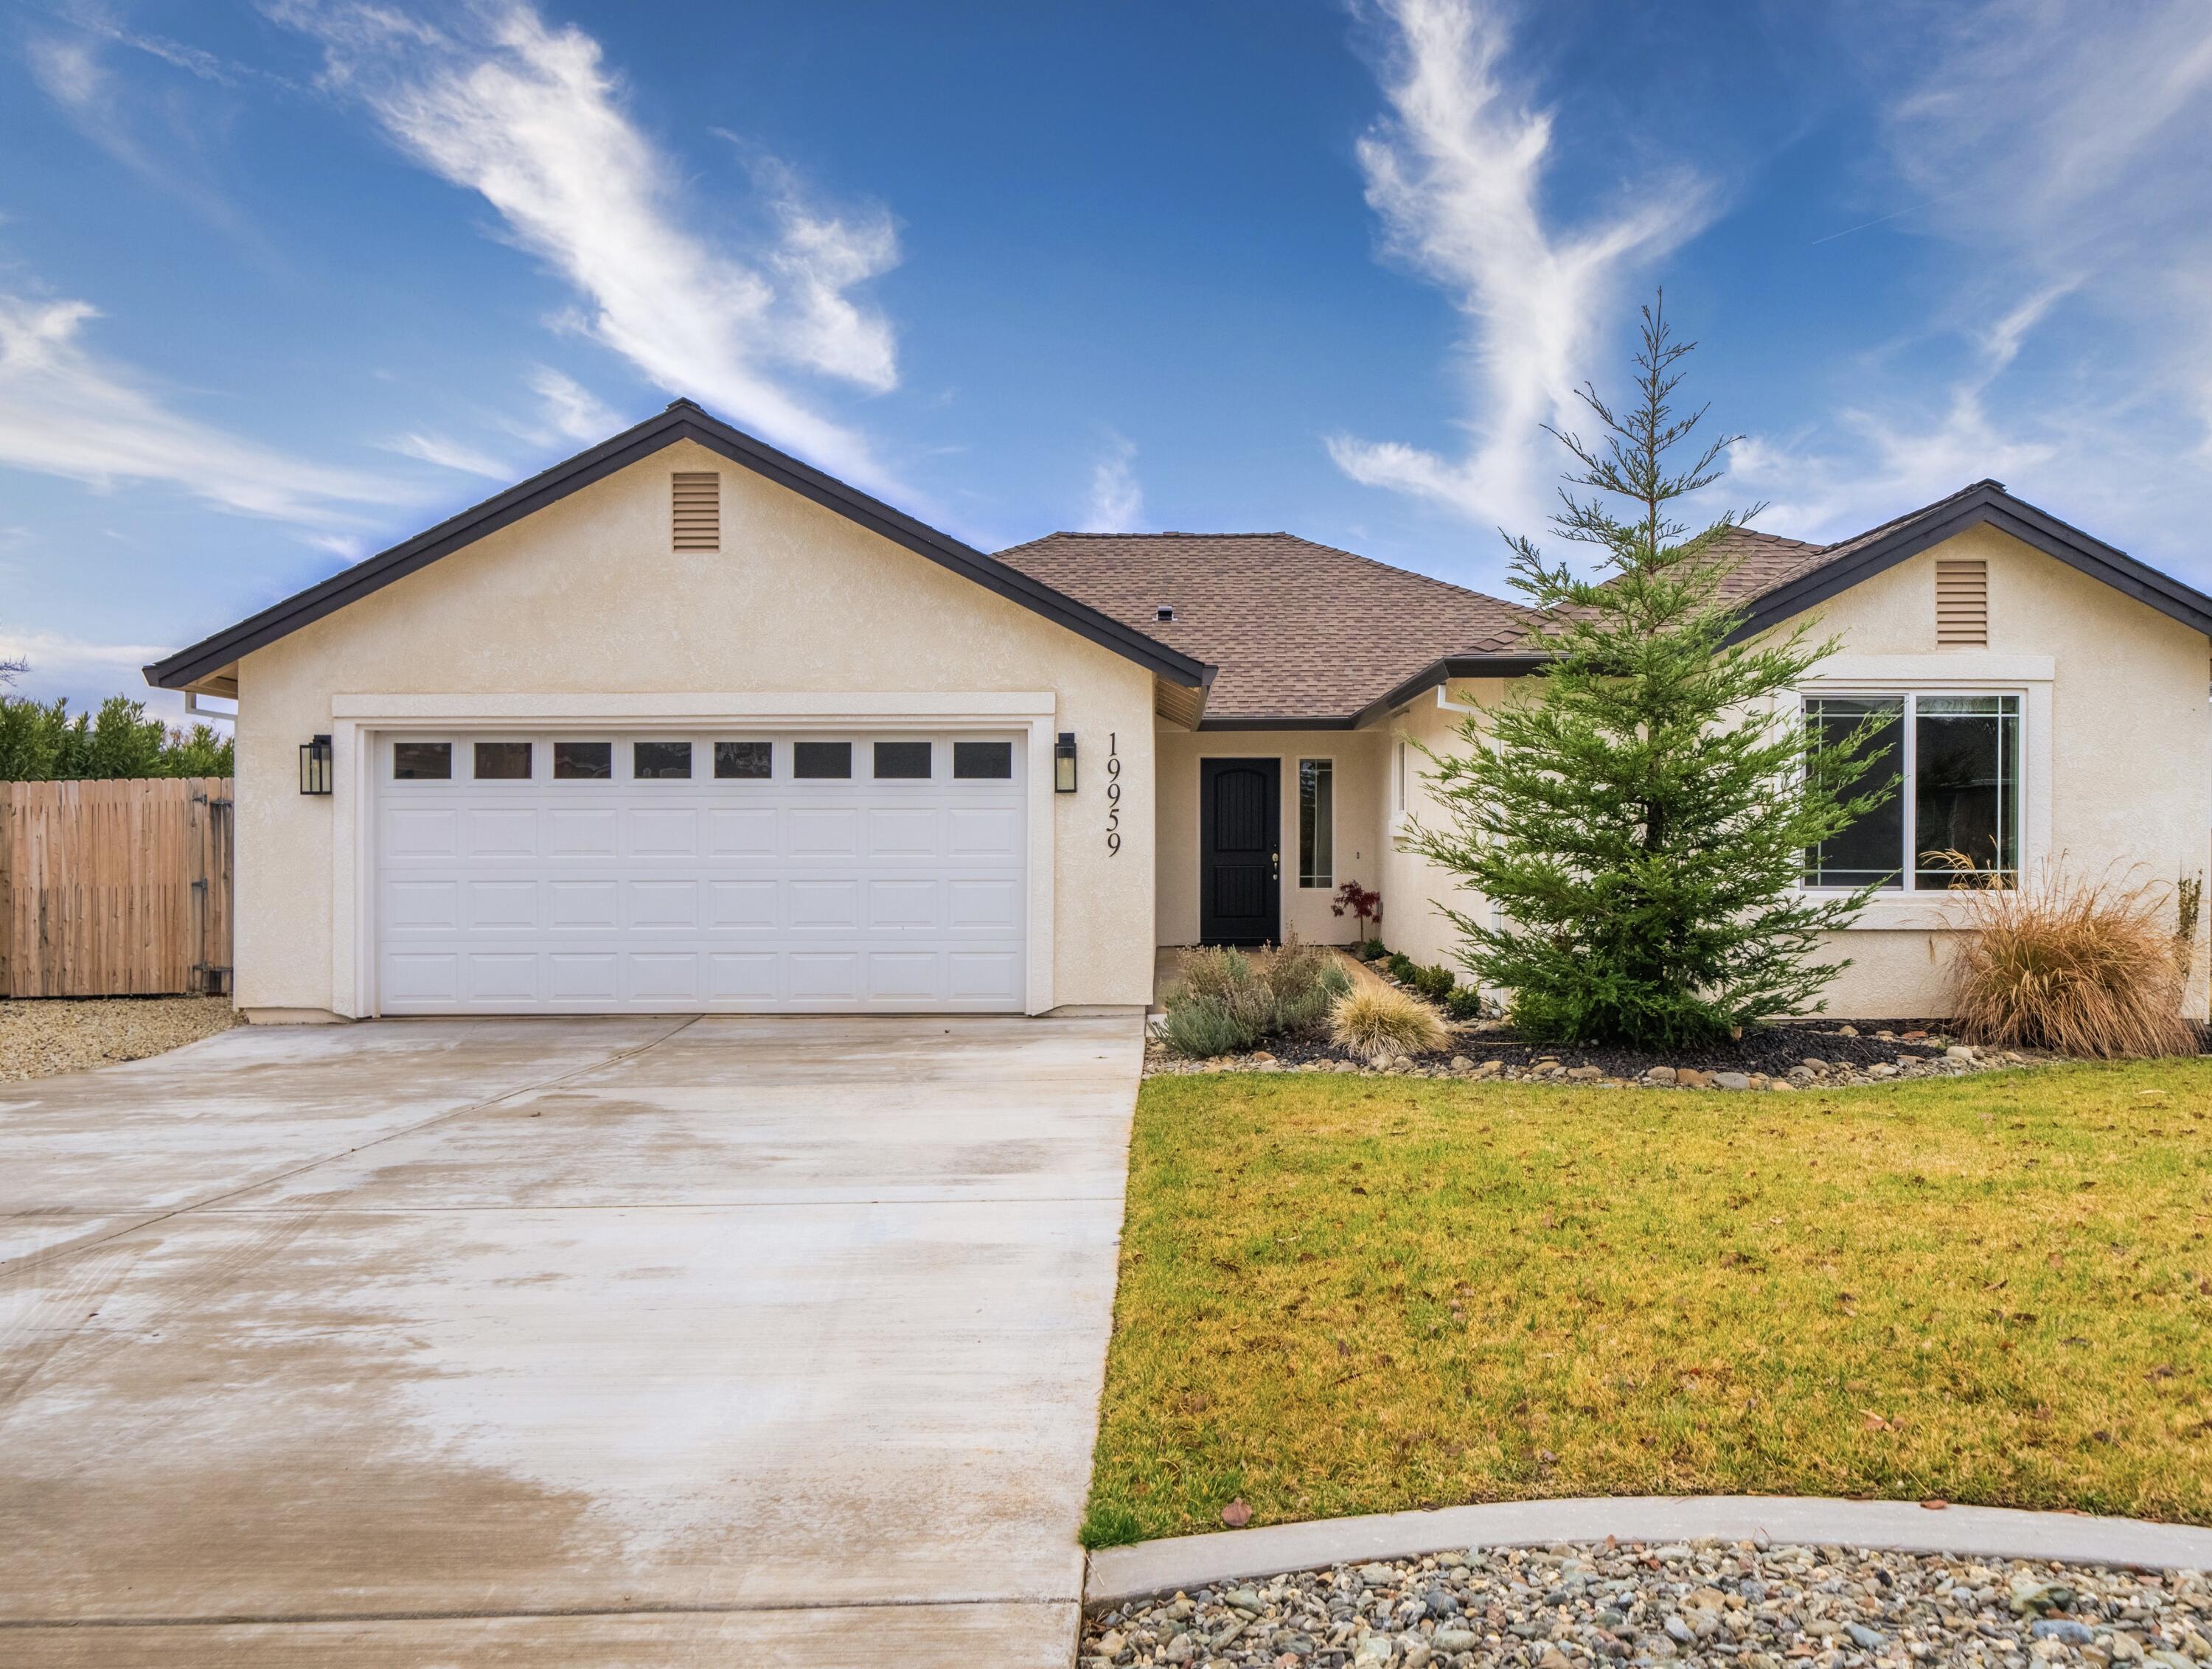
(1299, 630)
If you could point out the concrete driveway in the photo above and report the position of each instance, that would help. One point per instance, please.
(606, 1342)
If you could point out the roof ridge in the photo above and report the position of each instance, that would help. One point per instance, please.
(1986, 481)
(1300, 539)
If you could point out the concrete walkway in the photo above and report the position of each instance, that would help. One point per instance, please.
(1987, 1532)
(607, 1341)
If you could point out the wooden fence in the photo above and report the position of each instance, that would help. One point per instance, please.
(115, 889)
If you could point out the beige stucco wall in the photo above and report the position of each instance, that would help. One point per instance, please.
(586, 597)
(2129, 749)
(1360, 847)
(1412, 888)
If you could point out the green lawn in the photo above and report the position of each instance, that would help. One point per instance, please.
(1359, 1294)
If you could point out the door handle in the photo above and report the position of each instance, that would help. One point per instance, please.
(1274, 865)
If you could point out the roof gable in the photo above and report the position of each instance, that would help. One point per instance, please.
(681, 421)
(1781, 585)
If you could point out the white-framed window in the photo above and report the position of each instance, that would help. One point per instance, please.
(1317, 822)
(1956, 755)
(1398, 775)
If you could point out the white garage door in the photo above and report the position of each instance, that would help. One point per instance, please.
(668, 872)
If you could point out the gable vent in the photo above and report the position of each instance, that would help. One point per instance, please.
(697, 501)
(1962, 603)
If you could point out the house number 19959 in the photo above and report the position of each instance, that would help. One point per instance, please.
(1113, 797)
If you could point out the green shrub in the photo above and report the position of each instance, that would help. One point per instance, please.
(1434, 983)
(1402, 968)
(1226, 1004)
(1373, 950)
(1304, 980)
(40, 741)
(1202, 1027)
(1464, 1003)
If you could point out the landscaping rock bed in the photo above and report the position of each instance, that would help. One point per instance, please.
(43, 1036)
(1571, 1606)
(1793, 1055)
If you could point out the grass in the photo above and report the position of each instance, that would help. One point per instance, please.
(1346, 1296)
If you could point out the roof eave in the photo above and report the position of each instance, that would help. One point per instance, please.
(1518, 663)
(681, 420)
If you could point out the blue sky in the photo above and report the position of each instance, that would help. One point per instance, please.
(282, 283)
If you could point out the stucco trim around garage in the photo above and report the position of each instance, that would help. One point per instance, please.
(681, 420)
(357, 719)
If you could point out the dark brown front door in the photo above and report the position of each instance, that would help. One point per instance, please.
(1240, 868)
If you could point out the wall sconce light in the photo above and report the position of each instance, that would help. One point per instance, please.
(315, 766)
(1063, 764)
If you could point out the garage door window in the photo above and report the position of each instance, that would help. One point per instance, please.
(754, 759)
(593, 761)
(661, 761)
(502, 761)
(985, 762)
(421, 761)
(902, 761)
(821, 760)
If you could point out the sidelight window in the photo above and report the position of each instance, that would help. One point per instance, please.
(1317, 822)
(1957, 760)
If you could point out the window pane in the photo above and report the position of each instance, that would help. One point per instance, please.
(421, 761)
(1967, 787)
(1317, 822)
(745, 759)
(660, 762)
(983, 759)
(592, 760)
(1873, 848)
(502, 761)
(822, 759)
(901, 760)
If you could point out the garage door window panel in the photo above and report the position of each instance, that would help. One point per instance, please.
(744, 761)
(584, 761)
(983, 761)
(902, 761)
(822, 762)
(502, 761)
(660, 762)
(421, 761)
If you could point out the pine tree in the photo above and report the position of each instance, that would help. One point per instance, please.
(1639, 811)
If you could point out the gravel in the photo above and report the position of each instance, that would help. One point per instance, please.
(1798, 1055)
(46, 1035)
(1574, 1607)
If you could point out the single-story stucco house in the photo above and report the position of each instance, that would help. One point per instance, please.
(684, 724)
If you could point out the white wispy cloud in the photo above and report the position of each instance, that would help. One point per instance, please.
(66, 411)
(2057, 153)
(54, 657)
(569, 410)
(497, 100)
(1456, 172)
(448, 454)
(1117, 500)
(165, 130)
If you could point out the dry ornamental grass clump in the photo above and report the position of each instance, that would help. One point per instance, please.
(1379, 1021)
(2077, 966)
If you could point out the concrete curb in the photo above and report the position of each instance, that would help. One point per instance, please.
(1904, 1527)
